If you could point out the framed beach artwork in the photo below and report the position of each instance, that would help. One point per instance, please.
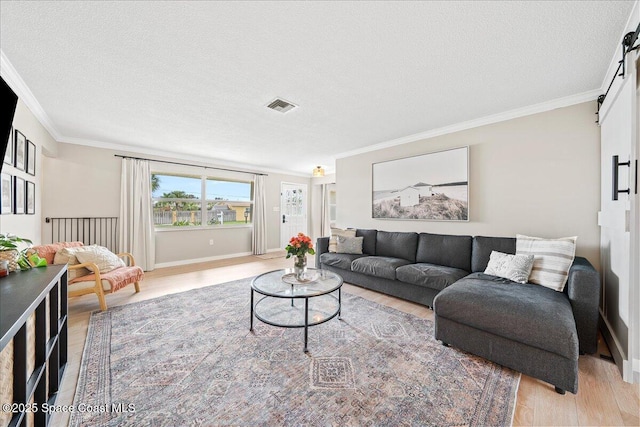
(20, 150)
(31, 158)
(31, 198)
(18, 195)
(6, 194)
(431, 187)
(8, 154)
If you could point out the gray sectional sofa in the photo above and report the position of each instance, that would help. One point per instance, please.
(532, 329)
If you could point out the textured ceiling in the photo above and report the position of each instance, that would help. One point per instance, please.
(193, 78)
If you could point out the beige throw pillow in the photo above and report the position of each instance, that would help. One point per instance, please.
(102, 257)
(350, 245)
(68, 256)
(552, 259)
(333, 239)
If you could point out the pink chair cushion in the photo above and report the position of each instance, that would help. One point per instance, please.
(118, 278)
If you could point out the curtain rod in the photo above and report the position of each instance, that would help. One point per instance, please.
(189, 164)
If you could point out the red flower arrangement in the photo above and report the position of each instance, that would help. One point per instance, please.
(300, 245)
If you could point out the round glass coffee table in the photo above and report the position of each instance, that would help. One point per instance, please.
(287, 302)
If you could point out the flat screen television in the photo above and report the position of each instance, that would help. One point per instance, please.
(8, 110)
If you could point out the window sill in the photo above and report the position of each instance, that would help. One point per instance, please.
(199, 228)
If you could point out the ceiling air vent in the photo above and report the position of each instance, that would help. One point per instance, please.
(281, 105)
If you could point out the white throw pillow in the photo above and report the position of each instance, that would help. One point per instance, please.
(513, 267)
(68, 256)
(552, 259)
(102, 257)
(335, 232)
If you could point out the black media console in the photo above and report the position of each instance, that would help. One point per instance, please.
(38, 358)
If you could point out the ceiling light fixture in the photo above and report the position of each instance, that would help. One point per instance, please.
(318, 171)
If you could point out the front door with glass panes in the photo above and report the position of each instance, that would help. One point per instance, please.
(293, 211)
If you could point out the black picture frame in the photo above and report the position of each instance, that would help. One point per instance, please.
(18, 195)
(8, 154)
(6, 194)
(31, 158)
(30, 202)
(20, 151)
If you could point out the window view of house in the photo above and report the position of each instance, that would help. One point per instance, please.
(190, 201)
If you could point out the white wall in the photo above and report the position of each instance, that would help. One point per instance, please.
(537, 175)
(29, 226)
(85, 181)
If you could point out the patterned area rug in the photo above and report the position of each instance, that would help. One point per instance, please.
(189, 360)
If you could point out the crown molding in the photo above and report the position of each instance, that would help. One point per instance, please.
(13, 79)
(199, 160)
(495, 118)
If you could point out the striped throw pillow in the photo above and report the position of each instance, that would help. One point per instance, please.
(552, 259)
(333, 239)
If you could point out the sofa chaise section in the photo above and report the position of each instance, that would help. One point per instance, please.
(532, 329)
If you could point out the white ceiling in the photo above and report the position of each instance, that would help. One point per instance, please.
(193, 78)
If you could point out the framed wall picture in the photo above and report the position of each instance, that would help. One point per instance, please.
(8, 154)
(20, 150)
(31, 158)
(31, 198)
(433, 186)
(18, 195)
(6, 194)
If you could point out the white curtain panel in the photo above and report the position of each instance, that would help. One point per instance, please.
(325, 221)
(259, 241)
(137, 234)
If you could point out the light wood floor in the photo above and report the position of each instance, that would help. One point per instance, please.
(603, 398)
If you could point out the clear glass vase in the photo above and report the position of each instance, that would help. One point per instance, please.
(300, 266)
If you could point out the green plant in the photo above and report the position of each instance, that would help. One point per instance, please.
(11, 242)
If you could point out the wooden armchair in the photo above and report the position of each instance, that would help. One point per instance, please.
(86, 278)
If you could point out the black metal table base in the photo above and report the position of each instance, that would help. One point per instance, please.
(306, 315)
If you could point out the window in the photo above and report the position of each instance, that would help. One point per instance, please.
(200, 201)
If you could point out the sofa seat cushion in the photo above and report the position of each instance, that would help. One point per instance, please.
(378, 266)
(525, 313)
(336, 260)
(429, 275)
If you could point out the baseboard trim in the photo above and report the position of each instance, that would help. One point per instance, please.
(618, 353)
(198, 260)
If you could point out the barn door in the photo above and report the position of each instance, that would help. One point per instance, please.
(618, 138)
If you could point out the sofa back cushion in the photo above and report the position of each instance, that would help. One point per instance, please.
(369, 242)
(483, 246)
(445, 250)
(397, 245)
